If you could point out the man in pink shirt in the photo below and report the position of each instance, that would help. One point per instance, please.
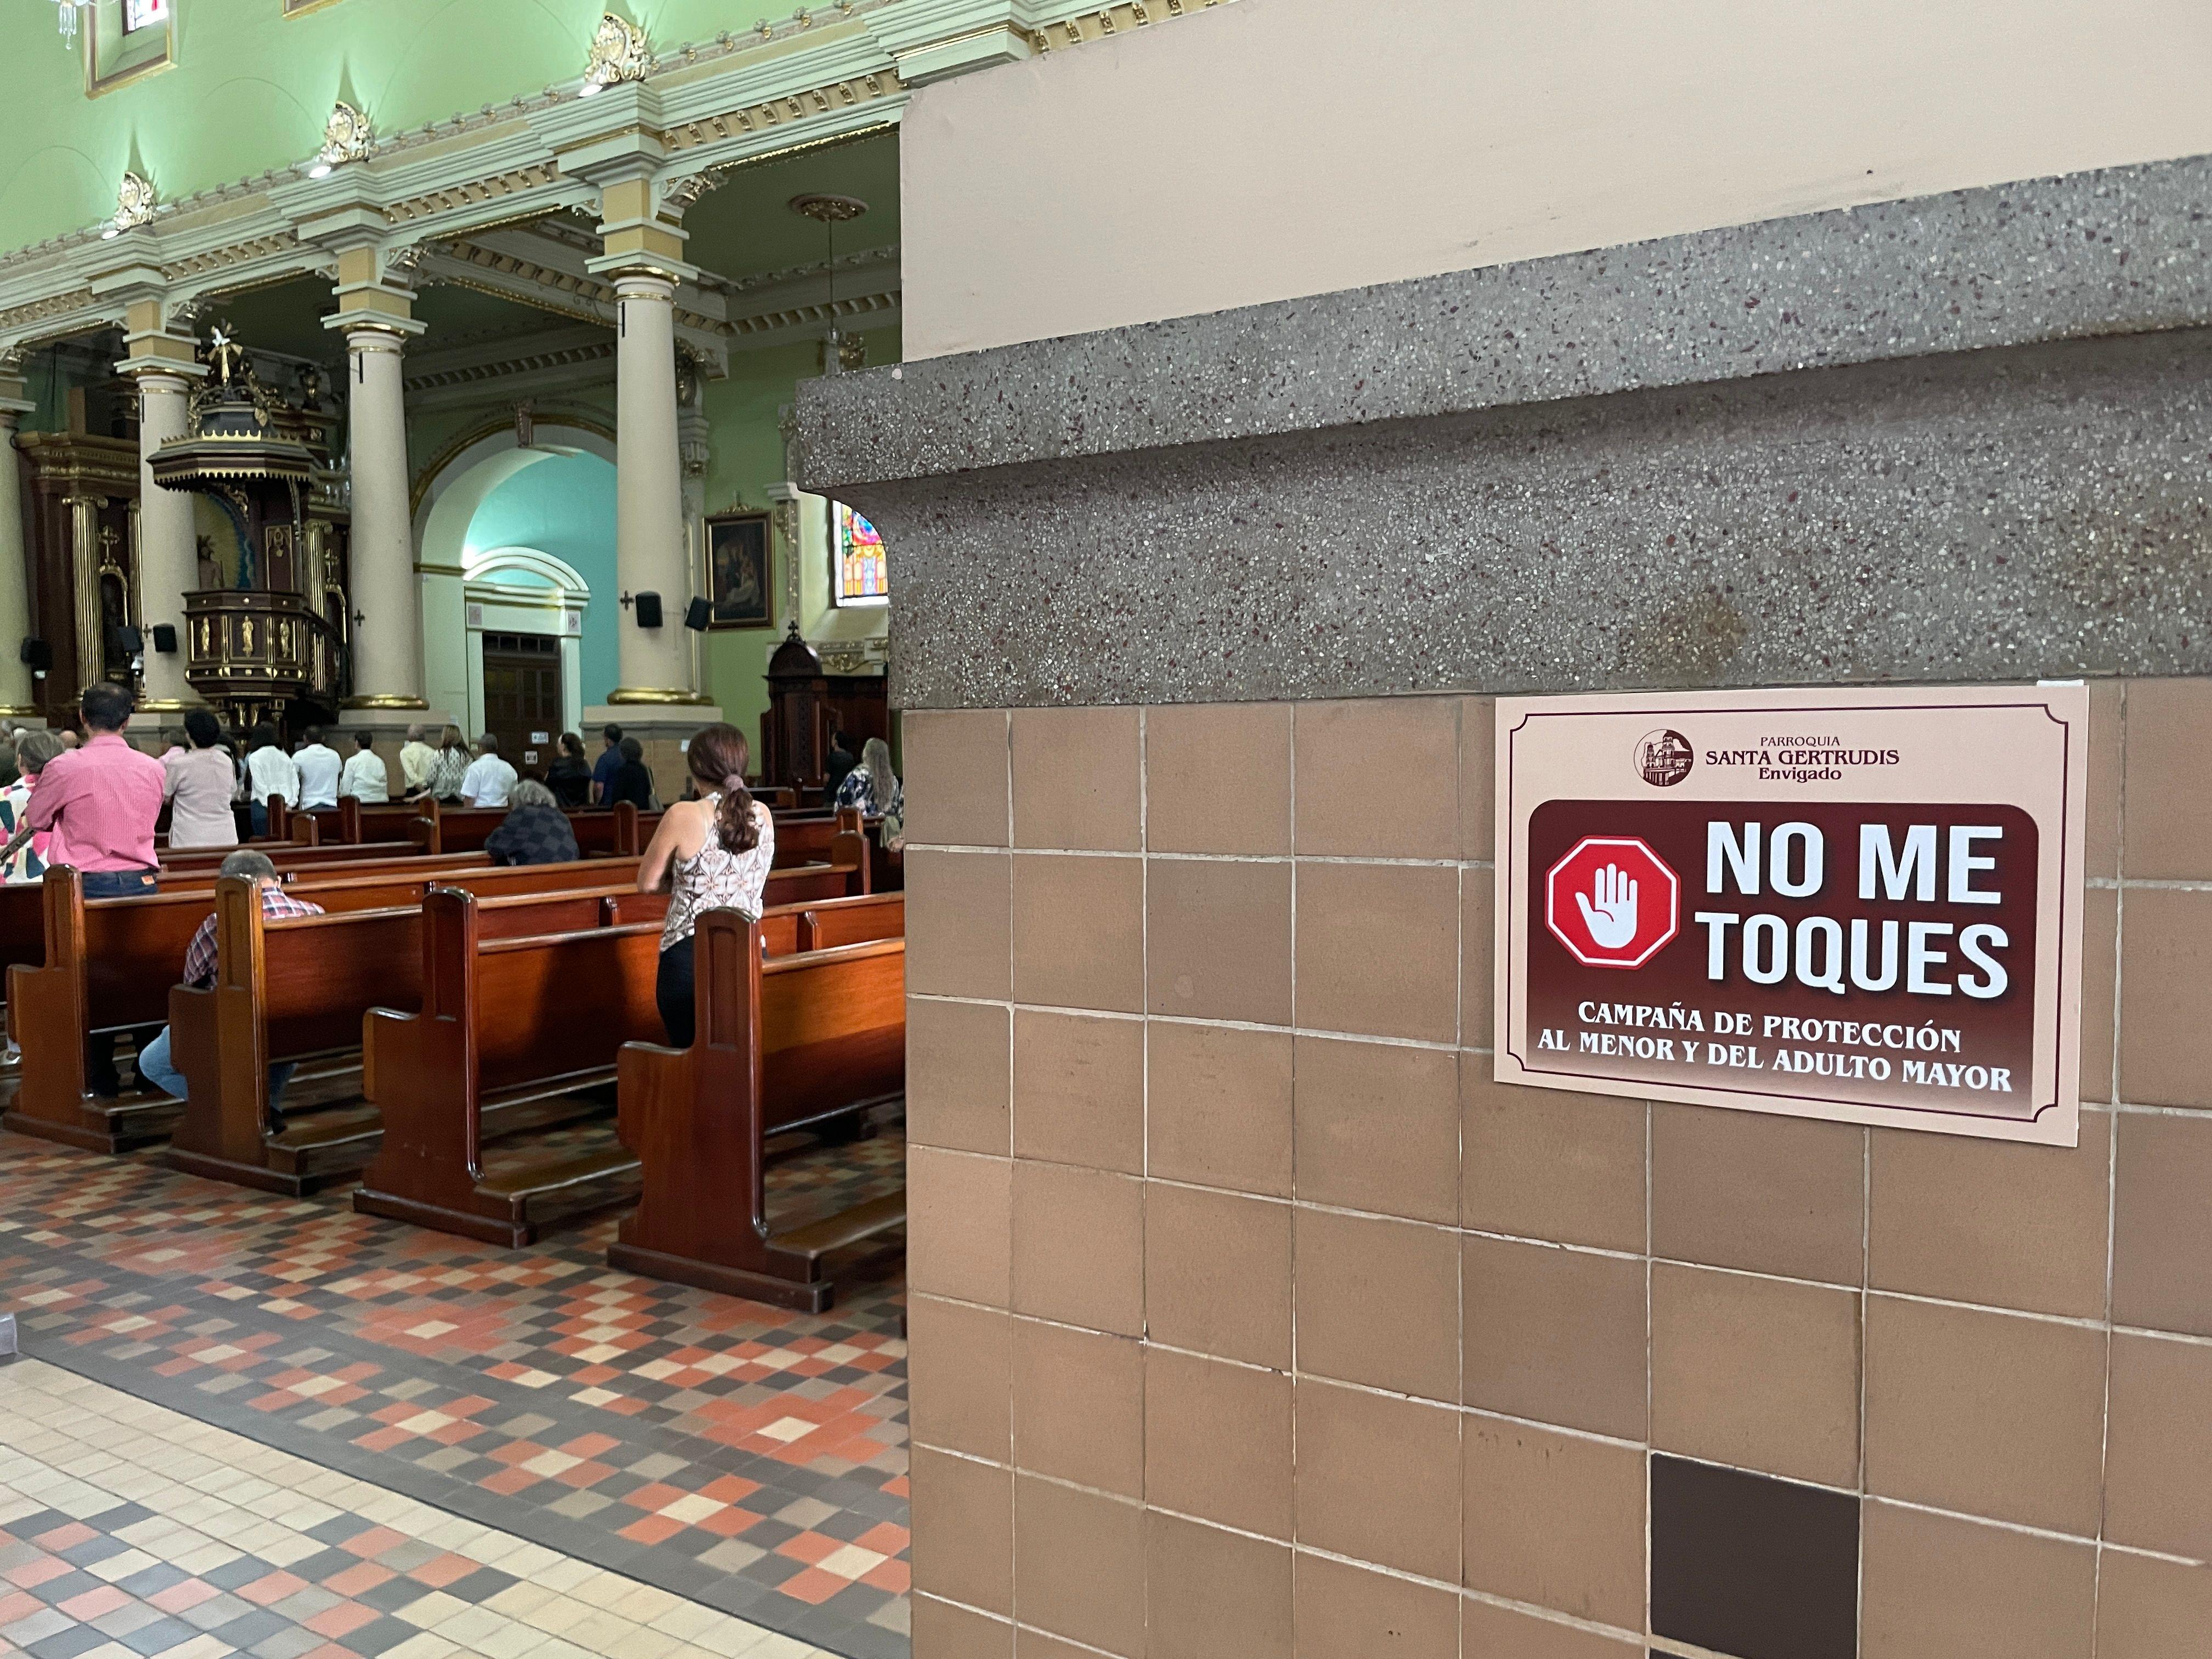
(100, 799)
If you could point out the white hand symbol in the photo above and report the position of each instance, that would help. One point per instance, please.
(1612, 918)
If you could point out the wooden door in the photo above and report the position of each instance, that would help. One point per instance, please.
(522, 698)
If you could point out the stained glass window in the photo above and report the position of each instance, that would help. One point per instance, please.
(144, 14)
(863, 575)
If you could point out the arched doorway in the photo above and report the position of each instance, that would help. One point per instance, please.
(517, 548)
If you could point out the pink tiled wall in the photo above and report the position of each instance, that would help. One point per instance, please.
(1250, 1318)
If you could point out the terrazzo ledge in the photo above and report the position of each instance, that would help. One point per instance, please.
(2115, 251)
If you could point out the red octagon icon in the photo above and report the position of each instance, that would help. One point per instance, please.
(1611, 901)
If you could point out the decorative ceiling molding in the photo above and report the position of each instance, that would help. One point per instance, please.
(1103, 22)
(471, 193)
(830, 76)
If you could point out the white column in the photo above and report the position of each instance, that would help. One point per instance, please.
(15, 686)
(387, 644)
(654, 663)
(169, 559)
(697, 454)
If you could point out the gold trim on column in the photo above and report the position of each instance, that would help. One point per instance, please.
(669, 695)
(84, 573)
(383, 700)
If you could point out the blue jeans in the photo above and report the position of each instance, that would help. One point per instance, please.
(256, 815)
(117, 884)
(153, 1067)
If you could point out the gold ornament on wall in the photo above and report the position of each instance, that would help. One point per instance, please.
(618, 53)
(346, 138)
(134, 204)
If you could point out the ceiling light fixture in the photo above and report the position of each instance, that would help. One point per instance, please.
(830, 212)
(68, 10)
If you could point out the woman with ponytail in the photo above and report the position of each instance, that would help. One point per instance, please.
(712, 853)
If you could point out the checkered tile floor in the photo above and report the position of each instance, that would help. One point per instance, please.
(127, 1528)
(726, 1452)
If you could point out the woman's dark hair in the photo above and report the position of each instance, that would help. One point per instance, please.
(202, 728)
(264, 736)
(718, 757)
(572, 745)
(631, 750)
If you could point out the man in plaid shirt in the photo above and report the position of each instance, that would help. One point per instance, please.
(154, 1067)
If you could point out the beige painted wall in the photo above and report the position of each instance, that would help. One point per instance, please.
(1276, 148)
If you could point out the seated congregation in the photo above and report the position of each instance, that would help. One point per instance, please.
(432, 996)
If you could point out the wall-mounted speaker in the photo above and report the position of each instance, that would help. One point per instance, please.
(37, 653)
(697, 616)
(648, 610)
(165, 638)
(125, 640)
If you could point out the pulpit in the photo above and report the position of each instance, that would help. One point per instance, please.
(267, 625)
(807, 703)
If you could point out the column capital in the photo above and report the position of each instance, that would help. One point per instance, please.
(637, 278)
(148, 365)
(370, 328)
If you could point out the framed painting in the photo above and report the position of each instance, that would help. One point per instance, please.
(739, 592)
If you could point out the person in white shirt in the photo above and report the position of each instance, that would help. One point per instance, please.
(318, 765)
(269, 771)
(364, 777)
(489, 778)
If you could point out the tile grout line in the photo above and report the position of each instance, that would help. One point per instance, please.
(2112, 1174)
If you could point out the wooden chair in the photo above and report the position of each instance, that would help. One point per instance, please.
(785, 1043)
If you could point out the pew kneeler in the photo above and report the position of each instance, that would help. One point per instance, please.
(792, 1043)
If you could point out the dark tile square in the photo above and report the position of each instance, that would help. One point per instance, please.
(257, 1625)
(481, 1584)
(324, 1564)
(159, 1636)
(233, 1574)
(67, 1644)
(66, 1586)
(122, 1515)
(1752, 1566)
(152, 1580)
(339, 1529)
(392, 1593)
(92, 1550)
(380, 1635)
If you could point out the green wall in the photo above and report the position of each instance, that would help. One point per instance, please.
(249, 88)
(748, 457)
(564, 506)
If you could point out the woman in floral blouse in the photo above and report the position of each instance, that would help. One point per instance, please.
(872, 786)
(33, 749)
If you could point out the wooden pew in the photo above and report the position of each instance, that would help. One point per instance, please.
(108, 964)
(22, 906)
(807, 837)
(784, 1043)
(618, 832)
(285, 854)
(290, 990)
(505, 1022)
(354, 823)
(620, 828)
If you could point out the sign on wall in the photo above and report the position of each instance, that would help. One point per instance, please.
(1858, 904)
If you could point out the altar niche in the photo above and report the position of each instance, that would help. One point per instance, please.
(268, 626)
